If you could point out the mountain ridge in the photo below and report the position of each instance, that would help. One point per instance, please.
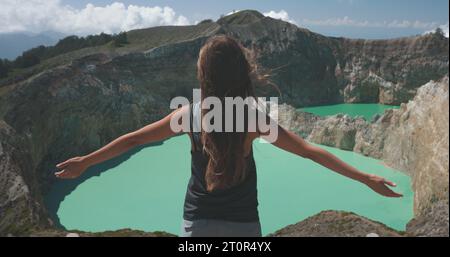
(144, 39)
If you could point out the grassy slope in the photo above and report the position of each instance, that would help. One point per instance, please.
(139, 40)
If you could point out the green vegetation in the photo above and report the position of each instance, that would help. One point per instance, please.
(5, 66)
(120, 39)
(439, 32)
(38, 54)
(206, 21)
(120, 44)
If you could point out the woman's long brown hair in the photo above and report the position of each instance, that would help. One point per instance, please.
(225, 69)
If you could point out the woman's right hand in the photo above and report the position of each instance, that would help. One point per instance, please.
(380, 185)
(72, 168)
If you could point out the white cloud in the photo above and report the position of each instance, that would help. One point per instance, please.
(43, 15)
(412, 24)
(346, 21)
(443, 27)
(282, 15)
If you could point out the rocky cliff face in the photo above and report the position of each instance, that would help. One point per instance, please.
(414, 139)
(311, 69)
(432, 222)
(20, 203)
(389, 72)
(78, 105)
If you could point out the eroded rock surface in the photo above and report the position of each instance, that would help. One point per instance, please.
(336, 224)
(21, 206)
(413, 139)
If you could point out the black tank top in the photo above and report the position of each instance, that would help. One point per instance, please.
(238, 203)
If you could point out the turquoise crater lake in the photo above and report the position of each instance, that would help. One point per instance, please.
(144, 189)
(365, 110)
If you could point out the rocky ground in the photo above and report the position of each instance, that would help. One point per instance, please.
(433, 222)
(337, 224)
(117, 233)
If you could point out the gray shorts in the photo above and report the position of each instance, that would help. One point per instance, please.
(219, 228)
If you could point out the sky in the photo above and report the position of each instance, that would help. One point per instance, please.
(348, 18)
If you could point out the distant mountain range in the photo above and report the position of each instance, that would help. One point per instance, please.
(13, 44)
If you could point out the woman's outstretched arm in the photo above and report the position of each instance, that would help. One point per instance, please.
(290, 142)
(154, 132)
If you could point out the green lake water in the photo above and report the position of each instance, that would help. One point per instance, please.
(353, 110)
(144, 189)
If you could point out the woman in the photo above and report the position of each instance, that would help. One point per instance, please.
(221, 198)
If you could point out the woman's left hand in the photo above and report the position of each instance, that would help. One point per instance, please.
(380, 185)
(72, 168)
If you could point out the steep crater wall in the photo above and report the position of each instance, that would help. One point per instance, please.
(413, 139)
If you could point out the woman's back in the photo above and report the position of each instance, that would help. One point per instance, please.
(237, 203)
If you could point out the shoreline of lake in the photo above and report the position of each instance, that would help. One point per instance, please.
(94, 203)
